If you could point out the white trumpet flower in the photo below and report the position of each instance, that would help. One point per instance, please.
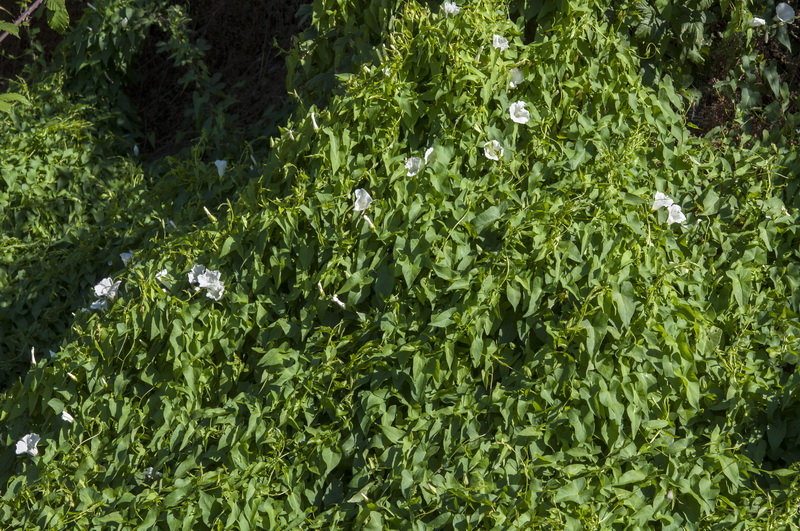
(493, 150)
(450, 8)
(221, 165)
(784, 12)
(27, 445)
(518, 112)
(500, 42)
(413, 165)
(362, 201)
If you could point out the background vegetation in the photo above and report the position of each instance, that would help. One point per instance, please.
(523, 342)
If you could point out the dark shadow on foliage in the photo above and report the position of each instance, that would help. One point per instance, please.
(50, 281)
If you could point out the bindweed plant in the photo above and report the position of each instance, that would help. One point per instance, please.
(562, 311)
(74, 194)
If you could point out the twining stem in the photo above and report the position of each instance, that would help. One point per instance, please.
(23, 17)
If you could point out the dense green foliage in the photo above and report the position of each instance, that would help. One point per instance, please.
(56, 12)
(491, 343)
(74, 196)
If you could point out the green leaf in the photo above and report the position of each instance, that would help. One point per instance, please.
(578, 425)
(353, 281)
(783, 37)
(331, 458)
(393, 434)
(573, 491)
(8, 98)
(334, 153)
(115, 517)
(442, 319)
(535, 295)
(57, 405)
(692, 392)
(384, 283)
(776, 432)
(13, 29)
(409, 269)
(187, 465)
(374, 522)
(406, 482)
(206, 504)
(631, 476)
(513, 293)
(57, 15)
(175, 497)
(711, 202)
(750, 96)
(487, 217)
(227, 246)
(476, 351)
(591, 340)
(740, 285)
(624, 301)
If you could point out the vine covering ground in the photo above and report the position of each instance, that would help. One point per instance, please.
(494, 265)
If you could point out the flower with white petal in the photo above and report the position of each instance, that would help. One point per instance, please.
(493, 150)
(756, 22)
(784, 12)
(136, 150)
(363, 200)
(27, 445)
(516, 78)
(675, 215)
(125, 22)
(126, 257)
(207, 279)
(66, 417)
(216, 291)
(500, 42)
(107, 288)
(662, 201)
(518, 112)
(195, 273)
(314, 121)
(210, 280)
(450, 8)
(413, 165)
(221, 165)
(428, 153)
